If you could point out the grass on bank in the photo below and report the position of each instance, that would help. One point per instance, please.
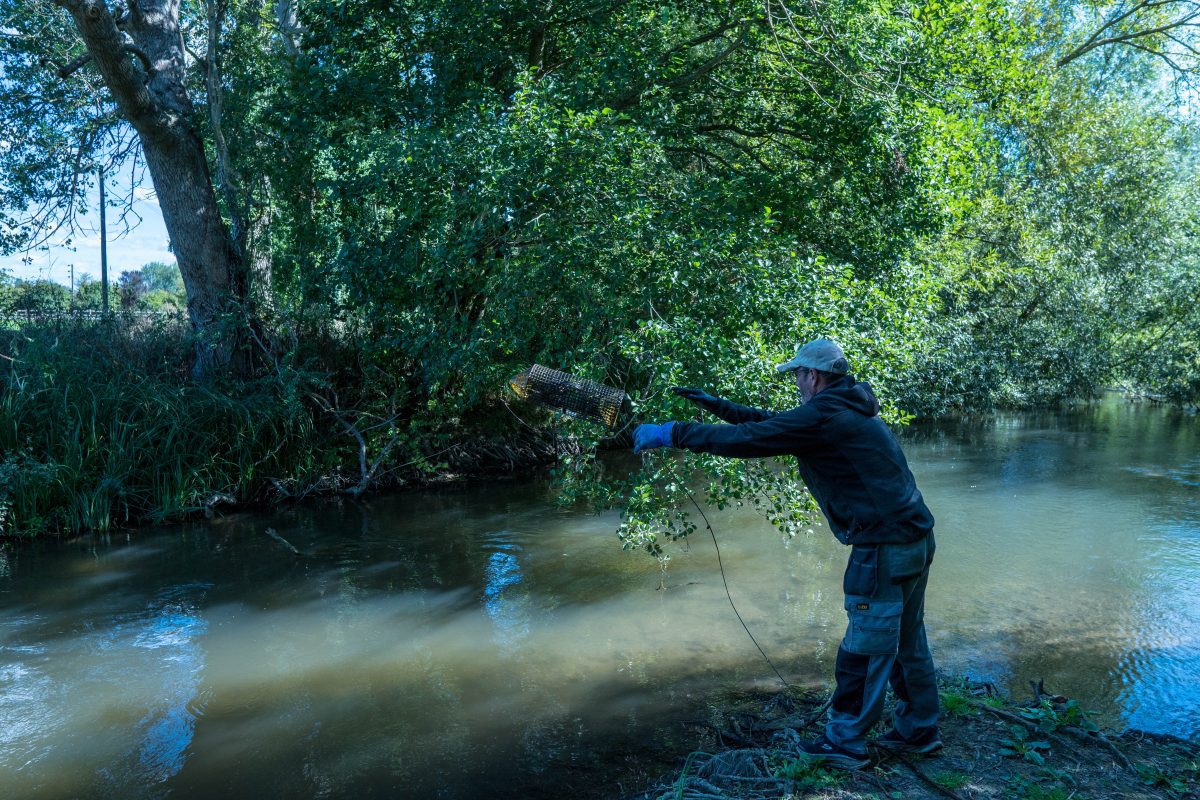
(100, 425)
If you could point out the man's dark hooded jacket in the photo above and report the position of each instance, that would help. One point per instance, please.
(849, 458)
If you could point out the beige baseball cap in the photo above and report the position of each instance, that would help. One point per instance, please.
(821, 354)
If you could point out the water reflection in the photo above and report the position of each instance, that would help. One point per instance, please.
(1071, 558)
(475, 642)
(504, 598)
(105, 705)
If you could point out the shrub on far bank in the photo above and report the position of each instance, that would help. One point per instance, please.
(100, 425)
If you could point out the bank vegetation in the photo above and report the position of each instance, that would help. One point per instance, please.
(382, 210)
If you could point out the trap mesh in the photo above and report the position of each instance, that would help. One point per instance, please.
(569, 394)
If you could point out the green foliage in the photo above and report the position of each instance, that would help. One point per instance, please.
(1069, 271)
(99, 427)
(1026, 790)
(810, 776)
(951, 780)
(160, 277)
(154, 287)
(1020, 745)
(37, 297)
(1154, 775)
(1046, 783)
(663, 194)
(1050, 719)
(648, 194)
(957, 704)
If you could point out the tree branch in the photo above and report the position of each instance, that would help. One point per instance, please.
(135, 11)
(1158, 53)
(744, 148)
(714, 62)
(1097, 39)
(73, 66)
(107, 46)
(754, 133)
(702, 154)
(742, 24)
(1088, 45)
(141, 56)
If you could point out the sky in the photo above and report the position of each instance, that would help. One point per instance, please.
(145, 242)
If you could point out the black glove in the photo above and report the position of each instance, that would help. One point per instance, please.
(698, 396)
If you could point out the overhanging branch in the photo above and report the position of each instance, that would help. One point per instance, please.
(73, 66)
(1099, 38)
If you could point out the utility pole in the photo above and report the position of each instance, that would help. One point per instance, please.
(103, 250)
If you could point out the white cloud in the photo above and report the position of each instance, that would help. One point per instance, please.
(146, 194)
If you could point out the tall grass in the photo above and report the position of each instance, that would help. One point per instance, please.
(100, 424)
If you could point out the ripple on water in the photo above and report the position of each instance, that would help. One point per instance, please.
(112, 703)
(24, 706)
(1160, 669)
(1187, 474)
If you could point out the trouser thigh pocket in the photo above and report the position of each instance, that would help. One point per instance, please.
(862, 571)
(874, 627)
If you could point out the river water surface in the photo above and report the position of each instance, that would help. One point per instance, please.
(477, 642)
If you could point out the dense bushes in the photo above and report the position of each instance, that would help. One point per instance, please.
(100, 426)
(645, 193)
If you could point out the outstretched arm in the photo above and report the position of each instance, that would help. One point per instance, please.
(723, 409)
(786, 433)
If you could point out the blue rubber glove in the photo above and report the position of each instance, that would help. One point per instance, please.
(648, 437)
(698, 396)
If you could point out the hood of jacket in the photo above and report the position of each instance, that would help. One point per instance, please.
(847, 393)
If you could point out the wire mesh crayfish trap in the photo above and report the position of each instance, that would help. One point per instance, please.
(570, 394)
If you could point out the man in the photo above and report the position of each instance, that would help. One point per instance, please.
(854, 468)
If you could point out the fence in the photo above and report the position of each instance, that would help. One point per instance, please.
(16, 317)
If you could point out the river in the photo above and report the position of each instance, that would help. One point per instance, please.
(476, 641)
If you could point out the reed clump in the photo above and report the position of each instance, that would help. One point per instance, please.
(101, 425)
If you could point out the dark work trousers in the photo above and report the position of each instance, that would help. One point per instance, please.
(884, 643)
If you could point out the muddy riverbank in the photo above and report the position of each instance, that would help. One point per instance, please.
(1045, 747)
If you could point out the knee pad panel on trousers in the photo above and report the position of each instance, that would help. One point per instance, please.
(874, 627)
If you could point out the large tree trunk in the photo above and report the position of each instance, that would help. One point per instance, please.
(141, 59)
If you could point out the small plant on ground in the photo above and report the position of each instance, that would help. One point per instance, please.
(1019, 745)
(1190, 769)
(952, 780)
(1074, 714)
(957, 704)
(1154, 775)
(1025, 789)
(1050, 719)
(810, 775)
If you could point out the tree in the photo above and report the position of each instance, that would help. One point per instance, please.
(1073, 265)
(132, 288)
(38, 296)
(138, 63)
(89, 294)
(164, 277)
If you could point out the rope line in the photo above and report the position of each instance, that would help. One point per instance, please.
(732, 605)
